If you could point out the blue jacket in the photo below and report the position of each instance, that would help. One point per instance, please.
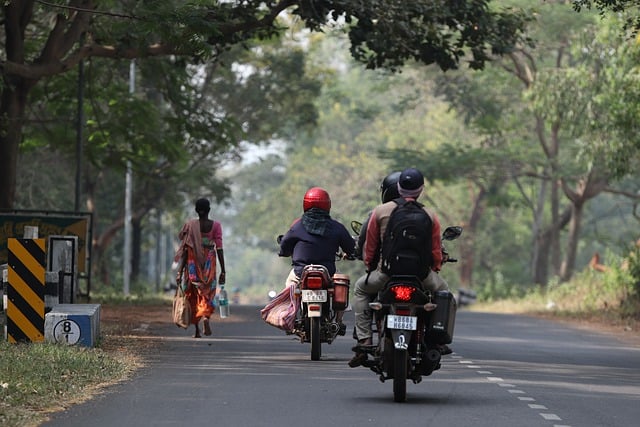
(305, 248)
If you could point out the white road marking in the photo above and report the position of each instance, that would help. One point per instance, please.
(551, 417)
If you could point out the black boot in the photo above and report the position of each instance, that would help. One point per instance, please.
(360, 355)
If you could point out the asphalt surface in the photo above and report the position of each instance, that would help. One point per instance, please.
(505, 371)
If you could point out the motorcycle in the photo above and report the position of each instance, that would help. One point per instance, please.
(321, 300)
(412, 327)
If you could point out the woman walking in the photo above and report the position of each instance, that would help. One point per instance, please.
(200, 241)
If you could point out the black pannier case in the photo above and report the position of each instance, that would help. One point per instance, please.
(443, 318)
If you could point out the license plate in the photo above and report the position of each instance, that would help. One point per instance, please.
(408, 323)
(310, 295)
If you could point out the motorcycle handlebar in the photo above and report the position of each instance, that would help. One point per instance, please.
(343, 255)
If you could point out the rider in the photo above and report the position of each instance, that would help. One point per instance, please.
(410, 186)
(315, 239)
(388, 192)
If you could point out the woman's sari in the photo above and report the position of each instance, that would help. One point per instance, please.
(199, 282)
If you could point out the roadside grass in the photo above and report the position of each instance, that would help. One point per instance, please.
(611, 298)
(40, 378)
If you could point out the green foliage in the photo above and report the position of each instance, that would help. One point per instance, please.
(609, 297)
(633, 262)
(630, 8)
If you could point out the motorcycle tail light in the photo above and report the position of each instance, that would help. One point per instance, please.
(314, 282)
(403, 293)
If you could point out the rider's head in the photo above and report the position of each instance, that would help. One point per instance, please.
(203, 206)
(316, 197)
(389, 187)
(410, 183)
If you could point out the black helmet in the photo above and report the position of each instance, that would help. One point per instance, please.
(389, 187)
(411, 179)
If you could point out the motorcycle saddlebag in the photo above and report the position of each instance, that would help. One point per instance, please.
(341, 284)
(443, 318)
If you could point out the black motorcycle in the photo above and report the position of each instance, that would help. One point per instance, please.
(412, 327)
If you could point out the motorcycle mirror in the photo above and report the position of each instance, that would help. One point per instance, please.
(452, 232)
(356, 227)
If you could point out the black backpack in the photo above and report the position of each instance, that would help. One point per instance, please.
(406, 244)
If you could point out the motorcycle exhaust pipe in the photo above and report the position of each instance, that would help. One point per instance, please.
(334, 328)
(433, 355)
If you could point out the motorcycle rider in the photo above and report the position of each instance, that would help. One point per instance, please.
(410, 186)
(388, 192)
(315, 239)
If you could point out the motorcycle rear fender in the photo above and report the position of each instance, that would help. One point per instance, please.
(400, 338)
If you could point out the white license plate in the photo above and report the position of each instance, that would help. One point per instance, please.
(408, 323)
(310, 295)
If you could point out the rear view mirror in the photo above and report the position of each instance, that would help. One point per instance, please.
(452, 233)
(356, 227)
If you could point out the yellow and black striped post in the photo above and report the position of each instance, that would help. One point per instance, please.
(25, 293)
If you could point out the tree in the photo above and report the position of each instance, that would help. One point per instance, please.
(630, 7)
(580, 120)
(383, 33)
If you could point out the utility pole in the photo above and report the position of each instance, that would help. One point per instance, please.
(127, 201)
(79, 136)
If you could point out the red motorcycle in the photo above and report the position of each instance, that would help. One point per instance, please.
(412, 327)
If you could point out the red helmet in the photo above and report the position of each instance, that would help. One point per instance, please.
(316, 197)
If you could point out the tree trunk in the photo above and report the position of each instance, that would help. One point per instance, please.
(467, 249)
(540, 273)
(587, 188)
(544, 239)
(568, 265)
(554, 244)
(13, 101)
(12, 107)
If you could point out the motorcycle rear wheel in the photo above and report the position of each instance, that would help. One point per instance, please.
(316, 346)
(399, 375)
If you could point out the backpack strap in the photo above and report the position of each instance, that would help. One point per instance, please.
(401, 201)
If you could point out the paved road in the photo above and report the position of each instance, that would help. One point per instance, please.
(505, 371)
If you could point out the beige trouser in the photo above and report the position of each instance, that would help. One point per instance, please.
(365, 293)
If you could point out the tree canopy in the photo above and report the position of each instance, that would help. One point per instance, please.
(43, 39)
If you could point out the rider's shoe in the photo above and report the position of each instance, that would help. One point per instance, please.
(358, 360)
(342, 330)
(360, 356)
